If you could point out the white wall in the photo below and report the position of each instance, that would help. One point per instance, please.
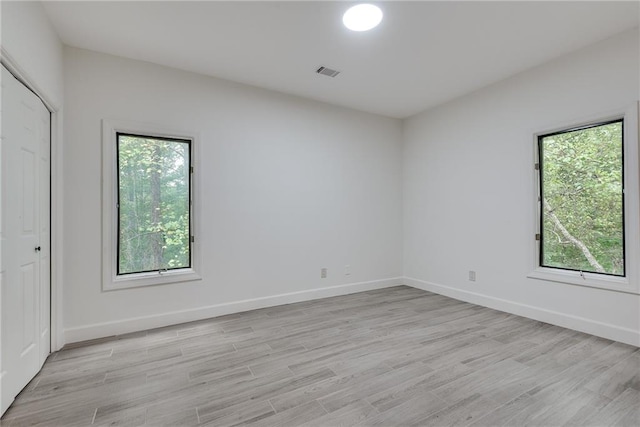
(469, 189)
(288, 186)
(30, 40)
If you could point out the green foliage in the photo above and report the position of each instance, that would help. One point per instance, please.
(154, 204)
(582, 184)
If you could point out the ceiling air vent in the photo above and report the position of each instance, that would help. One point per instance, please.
(327, 72)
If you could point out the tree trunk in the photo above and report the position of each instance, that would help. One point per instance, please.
(585, 250)
(157, 239)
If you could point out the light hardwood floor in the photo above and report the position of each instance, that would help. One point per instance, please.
(390, 357)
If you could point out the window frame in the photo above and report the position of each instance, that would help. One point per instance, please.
(111, 280)
(119, 199)
(631, 207)
(541, 211)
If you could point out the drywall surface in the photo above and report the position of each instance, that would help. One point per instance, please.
(469, 188)
(288, 186)
(29, 38)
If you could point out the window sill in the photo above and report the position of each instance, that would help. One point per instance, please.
(151, 279)
(610, 283)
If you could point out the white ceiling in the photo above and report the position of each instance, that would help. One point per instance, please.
(423, 53)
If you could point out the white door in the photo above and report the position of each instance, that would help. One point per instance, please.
(24, 234)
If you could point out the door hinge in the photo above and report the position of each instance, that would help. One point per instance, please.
(537, 166)
(538, 236)
(191, 169)
(193, 239)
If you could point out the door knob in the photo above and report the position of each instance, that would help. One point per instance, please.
(38, 248)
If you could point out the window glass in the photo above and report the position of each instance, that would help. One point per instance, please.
(582, 199)
(154, 208)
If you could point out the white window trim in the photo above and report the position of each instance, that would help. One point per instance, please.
(110, 279)
(631, 282)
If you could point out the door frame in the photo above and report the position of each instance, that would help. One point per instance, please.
(56, 205)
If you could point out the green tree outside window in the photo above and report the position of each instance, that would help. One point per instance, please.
(582, 200)
(153, 204)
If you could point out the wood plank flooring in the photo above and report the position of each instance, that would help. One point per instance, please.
(391, 357)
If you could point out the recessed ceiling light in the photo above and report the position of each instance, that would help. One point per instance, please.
(362, 17)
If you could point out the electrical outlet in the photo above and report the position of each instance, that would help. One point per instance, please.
(347, 270)
(323, 273)
(472, 275)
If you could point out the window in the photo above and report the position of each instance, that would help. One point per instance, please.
(154, 195)
(148, 206)
(587, 203)
(582, 199)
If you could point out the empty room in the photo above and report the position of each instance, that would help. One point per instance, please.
(320, 213)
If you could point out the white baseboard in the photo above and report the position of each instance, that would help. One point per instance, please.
(5, 400)
(600, 329)
(107, 329)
